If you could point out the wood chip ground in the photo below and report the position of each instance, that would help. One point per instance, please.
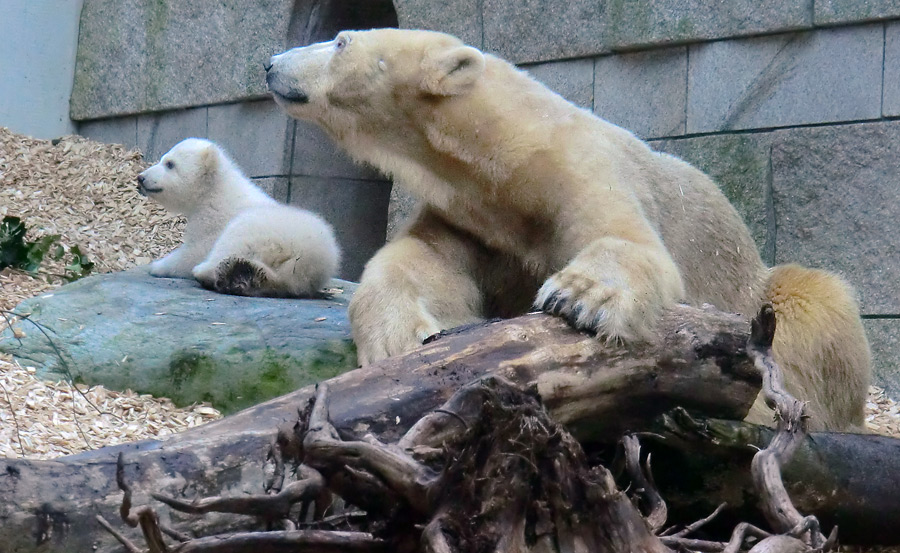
(85, 191)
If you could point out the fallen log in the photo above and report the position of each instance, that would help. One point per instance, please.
(598, 391)
(845, 480)
(491, 471)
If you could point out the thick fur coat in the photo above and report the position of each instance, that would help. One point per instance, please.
(237, 240)
(529, 200)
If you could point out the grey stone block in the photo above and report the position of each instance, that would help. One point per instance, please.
(158, 132)
(828, 12)
(739, 163)
(825, 76)
(257, 135)
(319, 20)
(461, 18)
(136, 56)
(116, 130)
(891, 104)
(884, 339)
(572, 79)
(537, 30)
(645, 93)
(357, 209)
(315, 155)
(401, 208)
(653, 22)
(277, 187)
(836, 192)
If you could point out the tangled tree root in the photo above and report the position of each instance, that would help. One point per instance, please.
(487, 472)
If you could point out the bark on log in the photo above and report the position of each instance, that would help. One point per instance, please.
(598, 391)
(848, 480)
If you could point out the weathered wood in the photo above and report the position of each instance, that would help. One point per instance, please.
(598, 391)
(848, 480)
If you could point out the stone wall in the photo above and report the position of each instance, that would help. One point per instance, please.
(150, 74)
(37, 61)
(792, 105)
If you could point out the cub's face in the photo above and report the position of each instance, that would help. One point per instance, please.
(371, 77)
(182, 178)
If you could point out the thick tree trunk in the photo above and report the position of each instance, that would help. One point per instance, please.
(599, 391)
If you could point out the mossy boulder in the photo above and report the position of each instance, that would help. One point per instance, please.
(172, 338)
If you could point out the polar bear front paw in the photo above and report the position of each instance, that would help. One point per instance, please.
(606, 306)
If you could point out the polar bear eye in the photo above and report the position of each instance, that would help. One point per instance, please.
(170, 164)
(341, 42)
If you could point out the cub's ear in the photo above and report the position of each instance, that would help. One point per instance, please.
(209, 157)
(451, 72)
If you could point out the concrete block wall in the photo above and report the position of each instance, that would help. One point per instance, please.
(793, 106)
(150, 74)
(37, 61)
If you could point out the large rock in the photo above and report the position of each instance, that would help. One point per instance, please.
(172, 338)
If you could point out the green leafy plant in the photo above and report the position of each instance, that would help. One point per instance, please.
(19, 253)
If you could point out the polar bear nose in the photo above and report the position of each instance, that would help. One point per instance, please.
(140, 179)
(267, 65)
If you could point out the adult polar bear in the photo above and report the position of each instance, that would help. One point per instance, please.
(237, 239)
(527, 196)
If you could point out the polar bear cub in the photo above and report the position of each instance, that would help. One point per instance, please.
(237, 240)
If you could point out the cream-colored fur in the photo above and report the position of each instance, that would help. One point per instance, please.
(527, 198)
(237, 239)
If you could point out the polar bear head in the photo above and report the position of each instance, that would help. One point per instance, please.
(183, 177)
(372, 77)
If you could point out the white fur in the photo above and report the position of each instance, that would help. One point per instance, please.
(228, 218)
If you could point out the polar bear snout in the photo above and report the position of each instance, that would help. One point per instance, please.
(143, 188)
(279, 86)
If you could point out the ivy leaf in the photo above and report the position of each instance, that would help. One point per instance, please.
(79, 267)
(36, 252)
(13, 250)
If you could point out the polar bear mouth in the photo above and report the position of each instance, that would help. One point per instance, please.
(285, 93)
(292, 96)
(144, 190)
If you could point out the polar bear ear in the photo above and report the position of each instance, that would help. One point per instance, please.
(452, 72)
(209, 157)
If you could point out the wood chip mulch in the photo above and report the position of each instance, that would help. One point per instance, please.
(85, 192)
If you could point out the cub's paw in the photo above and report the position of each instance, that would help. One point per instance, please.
(602, 304)
(160, 269)
(239, 277)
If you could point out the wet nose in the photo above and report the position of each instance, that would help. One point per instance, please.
(140, 179)
(267, 65)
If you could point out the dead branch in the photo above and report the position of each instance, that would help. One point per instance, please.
(791, 430)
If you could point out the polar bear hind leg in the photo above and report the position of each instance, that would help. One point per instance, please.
(821, 346)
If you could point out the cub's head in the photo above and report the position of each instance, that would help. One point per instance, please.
(369, 78)
(183, 177)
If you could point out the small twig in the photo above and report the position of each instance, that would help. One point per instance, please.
(129, 545)
(145, 517)
(12, 410)
(270, 507)
(70, 378)
(692, 545)
(296, 541)
(740, 533)
(699, 524)
(433, 538)
(658, 510)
